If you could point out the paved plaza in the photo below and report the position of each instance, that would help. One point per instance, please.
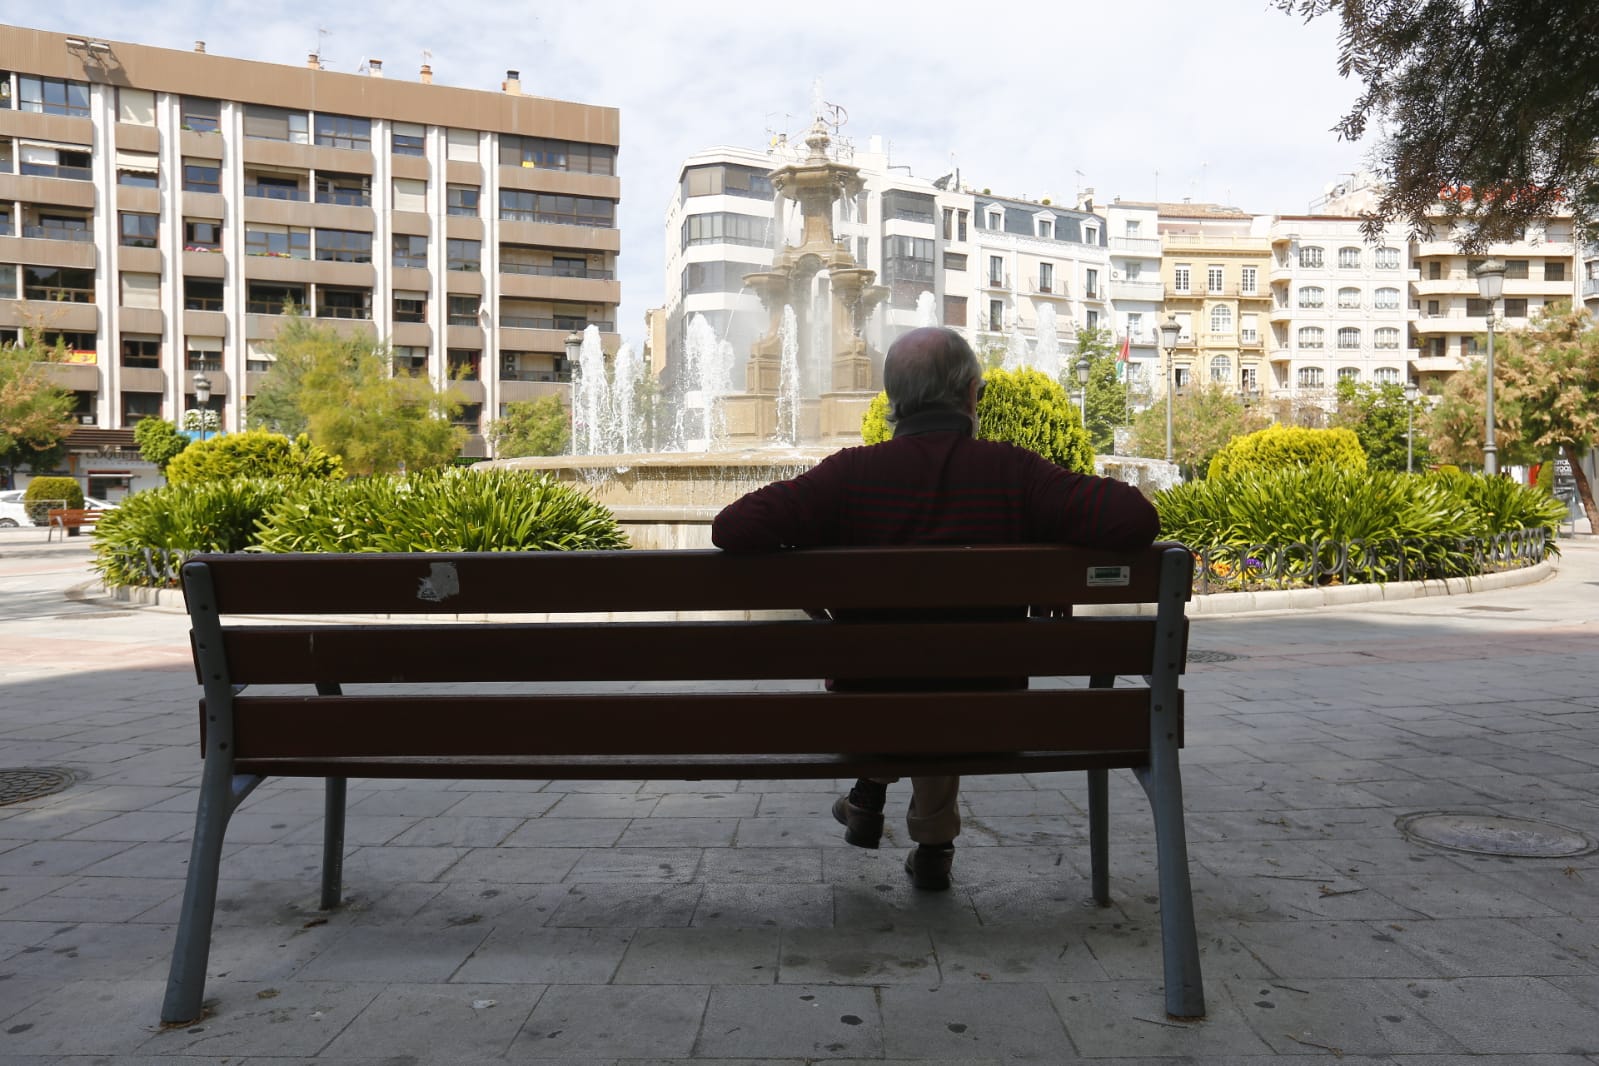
(607, 923)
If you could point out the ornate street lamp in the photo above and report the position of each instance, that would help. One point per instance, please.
(1490, 284)
(574, 348)
(1411, 393)
(202, 396)
(1170, 330)
(1082, 368)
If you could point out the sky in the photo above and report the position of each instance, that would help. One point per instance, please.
(1221, 100)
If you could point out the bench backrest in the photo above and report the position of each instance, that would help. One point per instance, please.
(70, 516)
(573, 633)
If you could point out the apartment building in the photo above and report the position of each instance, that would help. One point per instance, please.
(1137, 295)
(1030, 255)
(1214, 264)
(160, 209)
(1339, 308)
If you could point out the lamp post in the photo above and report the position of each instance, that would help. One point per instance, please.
(202, 396)
(574, 349)
(1490, 284)
(1170, 330)
(1082, 368)
(1411, 392)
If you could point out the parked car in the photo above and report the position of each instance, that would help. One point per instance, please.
(94, 503)
(12, 512)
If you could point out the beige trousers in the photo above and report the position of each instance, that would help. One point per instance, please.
(934, 816)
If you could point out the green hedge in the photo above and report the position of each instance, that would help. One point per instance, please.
(256, 453)
(1278, 446)
(43, 493)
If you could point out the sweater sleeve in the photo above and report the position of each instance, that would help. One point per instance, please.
(1092, 511)
(801, 512)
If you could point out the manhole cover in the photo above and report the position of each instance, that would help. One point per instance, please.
(32, 782)
(1490, 834)
(1202, 655)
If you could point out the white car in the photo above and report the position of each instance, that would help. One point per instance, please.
(12, 512)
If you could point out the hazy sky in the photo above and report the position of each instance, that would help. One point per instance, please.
(1227, 100)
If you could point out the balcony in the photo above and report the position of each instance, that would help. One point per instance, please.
(537, 271)
(1280, 313)
(564, 324)
(1235, 242)
(1055, 290)
(999, 282)
(1138, 290)
(276, 192)
(1149, 246)
(57, 233)
(1590, 288)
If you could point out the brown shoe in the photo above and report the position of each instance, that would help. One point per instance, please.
(862, 827)
(929, 866)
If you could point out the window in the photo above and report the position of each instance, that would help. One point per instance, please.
(1310, 257)
(1180, 377)
(407, 138)
(1090, 234)
(135, 106)
(952, 260)
(1515, 307)
(1185, 326)
(48, 161)
(520, 206)
(137, 406)
(1312, 296)
(1135, 324)
(53, 96)
(410, 361)
(279, 242)
(1213, 277)
(1312, 337)
(960, 225)
(1046, 277)
(1180, 280)
(1311, 377)
(202, 353)
(996, 270)
(580, 157)
(1091, 284)
(1248, 280)
(333, 301)
(1247, 380)
(1386, 375)
(202, 235)
(276, 124)
(410, 194)
(907, 206)
(7, 154)
(258, 357)
(1387, 258)
(1386, 337)
(269, 186)
(410, 306)
(1221, 369)
(274, 298)
(410, 250)
(863, 249)
(138, 230)
(1249, 329)
(1221, 319)
(200, 114)
(350, 190)
(462, 310)
(1091, 319)
(996, 315)
(1349, 373)
(344, 131)
(1131, 227)
(565, 266)
(461, 145)
(1348, 337)
(343, 246)
(141, 290)
(461, 200)
(1432, 310)
(996, 220)
(1349, 298)
(1046, 229)
(202, 294)
(1516, 269)
(461, 254)
(1554, 270)
(136, 169)
(1435, 270)
(464, 363)
(1478, 308)
(60, 225)
(725, 227)
(1349, 257)
(66, 284)
(202, 175)
(1386, 299)
(141, 351)
(949, 223)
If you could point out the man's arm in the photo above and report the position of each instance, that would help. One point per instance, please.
(799, 513)
(1094, 512)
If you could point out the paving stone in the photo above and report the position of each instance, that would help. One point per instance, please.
(1362, 1017)
(629, 1021)
(56, 857)
(696, 832)
(438, 1022)
(701, 957)
(414, 955)
(785, 866)
(546, 956)
(748, 906)
(1505, 1014)
(84, 1018)
(632, 865)
(458, 832)
(1487, 947)
(791, 1021)
(1006, 954)
(1462, 895)
(603, 805)
(550, 832)
(1010, 1023)
(1337, 949)
(815, 804)
(84, 951)
(504, 804)
(790, 832)
(707, 805)
(1128, 1018)
(258, 1019)
(858, 956)
(516, 865)
(620, 906)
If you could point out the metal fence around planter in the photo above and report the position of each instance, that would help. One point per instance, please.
(158, 567)
(1303, 564)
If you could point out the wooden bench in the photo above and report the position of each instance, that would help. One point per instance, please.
(736, 696)
(68, 519)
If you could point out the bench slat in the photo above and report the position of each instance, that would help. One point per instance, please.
(586, 582)
(688, 723)
(686, 651)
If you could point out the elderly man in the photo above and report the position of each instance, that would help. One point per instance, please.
(933, 483)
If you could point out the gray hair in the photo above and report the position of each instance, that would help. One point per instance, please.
(931, 368)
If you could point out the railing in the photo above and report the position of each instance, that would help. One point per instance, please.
(553, 272)
(330, 311)
(574, 220)
(57, 233)
(52, 170)
(1301, 564)
(512, 374)
(1143, 245)
(1590, 287)
(345, 197)
(275, 192)
(58, 294)
(571, 325)
(202, 303)
(272, 307)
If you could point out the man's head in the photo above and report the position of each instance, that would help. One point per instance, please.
(931, 368)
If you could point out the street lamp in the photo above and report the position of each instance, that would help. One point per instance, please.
(1490, 284)
(1082, 369)
(1170, 330)
(202, 396)
(1411, 392)
(574, 349)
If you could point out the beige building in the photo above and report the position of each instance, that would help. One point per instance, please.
(1214, 266)
(158, 209)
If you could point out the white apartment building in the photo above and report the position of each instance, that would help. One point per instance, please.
(1136, 293)
(1339, 310)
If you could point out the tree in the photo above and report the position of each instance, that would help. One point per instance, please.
(253, 453)
(340, 388)
(532, 427)
(1377, 414)
(1490, 101)
(34, 411)
(1106, 392)
(1204, 417)
(159, 441)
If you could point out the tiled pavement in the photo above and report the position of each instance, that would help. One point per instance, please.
(659, 922)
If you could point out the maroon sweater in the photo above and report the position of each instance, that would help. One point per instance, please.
(935, 484)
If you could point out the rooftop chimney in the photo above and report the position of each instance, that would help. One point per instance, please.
(427, 74)
(313, 61)
(512, 83)
(374, 67)
(199, 46)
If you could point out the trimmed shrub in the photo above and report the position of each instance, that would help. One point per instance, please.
(43, 493)
(1022, 407)
(440, 510)
(1279, 446)
(256, 453)
(143, 541)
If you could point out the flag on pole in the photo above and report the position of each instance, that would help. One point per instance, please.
(1127, 348)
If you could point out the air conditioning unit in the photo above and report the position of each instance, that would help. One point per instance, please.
(86, 420)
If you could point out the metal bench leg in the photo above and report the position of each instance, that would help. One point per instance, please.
(1179, 940)
(1099, 833)
(333, 844)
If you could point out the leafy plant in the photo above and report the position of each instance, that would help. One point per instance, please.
(158, 441)
(1278, 446)
(532, 427)
(44, 493)
(256, 453)
(144, 540)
